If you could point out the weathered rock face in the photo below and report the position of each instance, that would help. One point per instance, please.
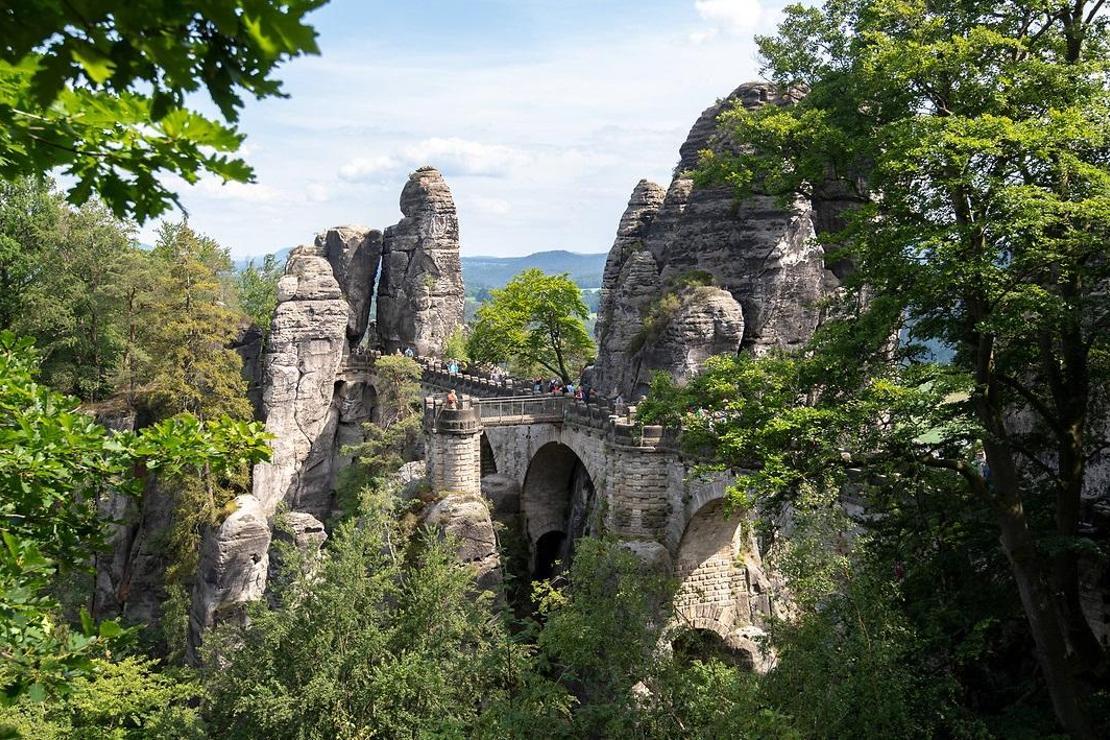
(130, 577)
(707, 322)
(420, 294)
(313, 402)
(234, 559)
(301, 532)
(354, 253)
(306, 349)
(466, 519)
(248, 345)
(764, 255)
(647, 198)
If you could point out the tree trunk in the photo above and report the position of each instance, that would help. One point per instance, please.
(1038, 599)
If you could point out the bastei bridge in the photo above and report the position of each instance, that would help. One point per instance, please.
(569, 469)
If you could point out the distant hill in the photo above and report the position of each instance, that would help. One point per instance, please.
(493, 272)
(281, 255)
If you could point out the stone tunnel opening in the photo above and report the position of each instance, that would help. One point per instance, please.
(549, 553)
(556, 499)
(487, 460)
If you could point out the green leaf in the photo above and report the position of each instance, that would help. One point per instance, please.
(97, 66)
(110, 629)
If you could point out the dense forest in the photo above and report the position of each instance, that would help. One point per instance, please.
(932, 521)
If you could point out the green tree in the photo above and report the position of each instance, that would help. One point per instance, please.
(98, 90)
(55, 465)
(125, 700)
(72, 306)
(29, 215)
(976, 135)
(535, 321)
(455, 348)
(382, 638)
(193, 368)
(257, 290)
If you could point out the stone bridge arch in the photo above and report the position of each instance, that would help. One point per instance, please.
(557, 497)
(715, 587)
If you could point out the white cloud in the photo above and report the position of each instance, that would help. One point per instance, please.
(490, 206)
(735, 16)
(540, 147)
(360, 168)
(452, 156)
(699, 37)
(465, 157)
(246, 192)
(317, 192)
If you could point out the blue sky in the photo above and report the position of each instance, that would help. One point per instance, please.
(541, 115)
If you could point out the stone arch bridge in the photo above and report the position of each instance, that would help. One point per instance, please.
(560, 469)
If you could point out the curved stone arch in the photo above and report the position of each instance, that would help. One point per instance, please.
(709, 624)
(556, 497)
(703, 492)
(713, 584)
(487, 456)
(731, 647)
(699, 492)
(583, 445)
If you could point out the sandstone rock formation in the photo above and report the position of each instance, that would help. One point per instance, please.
(354, 253)
(466, 520)
(234, 559)
(762, 254)
(420, 294)
(130, 576)
(306, 349)
(707, 321)
(647, 198)
(315, 402)
(301, 532)
(248, 345)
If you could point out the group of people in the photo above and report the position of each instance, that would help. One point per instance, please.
(556, 387)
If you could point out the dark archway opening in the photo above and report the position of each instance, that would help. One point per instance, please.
(557, 501)
(705, 645)
(488, 462)
(549, 555)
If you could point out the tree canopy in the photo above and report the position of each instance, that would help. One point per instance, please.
(537, 323)
(56, 464)
(98, 90)
(974, 139)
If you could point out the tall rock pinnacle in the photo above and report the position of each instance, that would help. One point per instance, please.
(420, 294)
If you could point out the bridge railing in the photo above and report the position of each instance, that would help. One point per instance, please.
(522, 409)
